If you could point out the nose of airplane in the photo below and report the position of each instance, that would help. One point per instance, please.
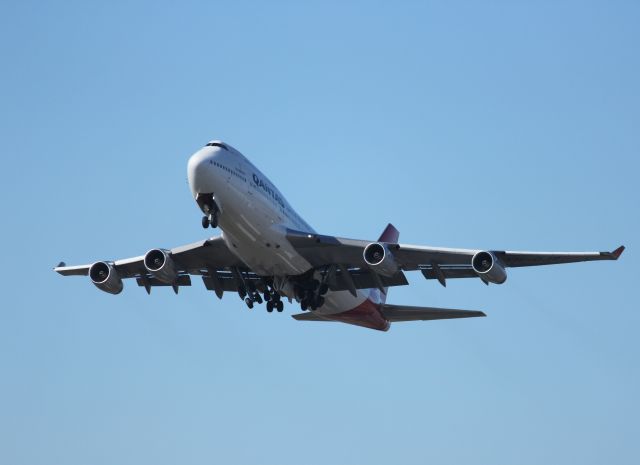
(200, 172)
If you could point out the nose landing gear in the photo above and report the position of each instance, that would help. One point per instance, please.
(207, 204)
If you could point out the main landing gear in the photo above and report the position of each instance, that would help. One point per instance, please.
(271, 297)
(311, 297)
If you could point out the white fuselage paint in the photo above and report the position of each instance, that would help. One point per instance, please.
(254, 217)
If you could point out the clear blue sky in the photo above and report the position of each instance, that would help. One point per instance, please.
(467, 124)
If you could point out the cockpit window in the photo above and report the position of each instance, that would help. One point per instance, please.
(217, 144)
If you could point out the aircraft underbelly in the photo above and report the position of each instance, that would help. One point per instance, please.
(340, 302)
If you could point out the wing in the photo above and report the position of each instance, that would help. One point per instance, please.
(219, 267)
(434, 262)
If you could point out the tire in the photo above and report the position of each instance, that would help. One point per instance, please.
(304, 305)
(249, 303)
(205, 222)
(258, 298)
(279, 305)
(269, 306)
(324, 288)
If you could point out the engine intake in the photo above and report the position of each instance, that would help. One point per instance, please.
(159, 263)
(488, 267)
(378, 257)
(105, 277)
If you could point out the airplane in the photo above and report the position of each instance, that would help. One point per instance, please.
(267, 253)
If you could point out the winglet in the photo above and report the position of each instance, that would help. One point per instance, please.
(616, 253)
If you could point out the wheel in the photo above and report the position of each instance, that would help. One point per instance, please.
(213, 219)
(304, 305)
(269, 306)
(324, 288)
(257, 298)
(279, 305)
(205, 222)
(249, 302)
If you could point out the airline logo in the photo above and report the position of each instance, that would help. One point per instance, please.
(271, 192)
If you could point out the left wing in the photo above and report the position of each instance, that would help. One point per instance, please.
(434, 262)
(220, 269)
(192, 257)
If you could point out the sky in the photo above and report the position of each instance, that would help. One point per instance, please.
(493, 125)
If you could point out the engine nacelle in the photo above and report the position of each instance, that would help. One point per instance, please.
(488, 267)
(159, 263)
(105, 277)
(379, 258)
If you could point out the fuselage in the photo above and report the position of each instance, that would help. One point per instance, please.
(254, 217)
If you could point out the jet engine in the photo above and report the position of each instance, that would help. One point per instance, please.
(159, 263)
(105, 277)
(488, 267)
(379, 258)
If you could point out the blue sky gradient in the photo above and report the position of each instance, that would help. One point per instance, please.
(506, 125)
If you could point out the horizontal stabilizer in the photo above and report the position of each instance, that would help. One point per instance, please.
(407, 313)
(395, 313)
(309, 316)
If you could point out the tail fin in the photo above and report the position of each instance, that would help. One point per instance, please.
(390, 235)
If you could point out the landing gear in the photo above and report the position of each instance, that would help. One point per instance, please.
(251, 296)
(323, 289)
(311, 295)
(210, 220)
(211, 211)
(213, 218)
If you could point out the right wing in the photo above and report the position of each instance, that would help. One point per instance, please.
(434, 262)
